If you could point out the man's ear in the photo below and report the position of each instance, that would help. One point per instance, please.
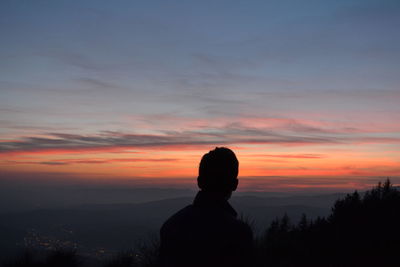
(235, 184)
(200, 182)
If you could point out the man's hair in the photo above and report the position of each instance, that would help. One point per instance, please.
(218, 170)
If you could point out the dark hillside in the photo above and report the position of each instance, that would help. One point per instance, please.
(361, 230)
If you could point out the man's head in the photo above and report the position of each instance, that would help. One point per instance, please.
(218, 171)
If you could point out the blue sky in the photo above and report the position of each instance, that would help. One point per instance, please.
(165, 67)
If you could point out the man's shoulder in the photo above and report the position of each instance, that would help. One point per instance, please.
(205, 220)
(177, 218)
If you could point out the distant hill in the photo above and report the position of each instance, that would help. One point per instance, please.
(116, 227)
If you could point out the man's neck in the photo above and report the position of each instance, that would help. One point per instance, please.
(217, 195)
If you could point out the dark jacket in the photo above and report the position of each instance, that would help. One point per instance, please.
(206, 233)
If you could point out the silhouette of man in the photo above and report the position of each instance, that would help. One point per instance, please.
(207, 232)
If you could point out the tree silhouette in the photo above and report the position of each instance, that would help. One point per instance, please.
(360, 231)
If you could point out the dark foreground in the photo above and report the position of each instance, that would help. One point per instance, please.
(361, 230)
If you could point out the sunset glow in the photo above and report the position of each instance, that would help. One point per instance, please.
(306, 96)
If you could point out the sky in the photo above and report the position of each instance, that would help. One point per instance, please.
(306, 93)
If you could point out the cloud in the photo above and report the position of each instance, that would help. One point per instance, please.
(46, 163)
(96, 83)
(169, 131)
(232, 134)
(58, 162)
(288, 133)
(79, 60)
(292, 156)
